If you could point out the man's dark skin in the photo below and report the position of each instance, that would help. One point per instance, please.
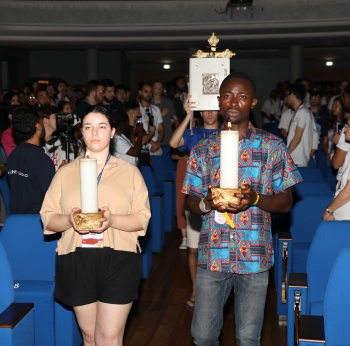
(236, 99)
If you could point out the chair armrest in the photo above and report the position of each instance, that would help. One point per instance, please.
(298, 280)
(311, 329)
(14, 314)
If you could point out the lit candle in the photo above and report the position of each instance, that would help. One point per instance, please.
(88, 184)
(229, 159)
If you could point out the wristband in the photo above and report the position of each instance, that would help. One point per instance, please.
(328, 211)
(257, 198)
(202, 207)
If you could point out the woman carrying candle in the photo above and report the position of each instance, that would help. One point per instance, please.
(100, 282)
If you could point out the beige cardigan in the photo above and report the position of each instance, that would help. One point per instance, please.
(121, 189)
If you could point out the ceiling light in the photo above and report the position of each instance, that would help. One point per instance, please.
(329, 63)
(166, 67)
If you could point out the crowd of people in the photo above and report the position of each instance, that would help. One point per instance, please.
(45, 129)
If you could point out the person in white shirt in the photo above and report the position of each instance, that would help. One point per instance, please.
(151, 116)
(300, 130)
(269, 110)
(52, 145)
(307, 86)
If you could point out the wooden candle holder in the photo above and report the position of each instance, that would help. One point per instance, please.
(88, 221)
(225, 196)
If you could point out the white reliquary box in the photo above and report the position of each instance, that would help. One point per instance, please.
(206, 76)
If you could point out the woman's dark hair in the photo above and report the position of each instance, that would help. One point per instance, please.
(119, 118)
(8, 97)
(333, 119)
(98, 109)
(24, 121)
(61, 105)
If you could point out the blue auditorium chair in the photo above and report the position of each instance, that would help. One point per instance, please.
(292, 247)
(333, 327)
(320, 188)
(167, 187)
(311, 174)
(32, 259)
(16, 319)
(307, 291)
(156, 223)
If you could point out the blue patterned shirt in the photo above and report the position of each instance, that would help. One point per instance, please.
(265, 164)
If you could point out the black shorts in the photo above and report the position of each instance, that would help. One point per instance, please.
(105, 275)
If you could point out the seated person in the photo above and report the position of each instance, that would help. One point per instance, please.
(128, 149)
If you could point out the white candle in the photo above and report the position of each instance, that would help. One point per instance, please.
(229, 159)
(88, 185)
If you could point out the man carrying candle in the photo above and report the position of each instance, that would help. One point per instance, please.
(235, 249)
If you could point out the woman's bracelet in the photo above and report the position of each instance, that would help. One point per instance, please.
(257, 198)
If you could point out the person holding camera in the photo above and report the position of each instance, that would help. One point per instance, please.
(52, 145)
(127, 148)
(151, 116)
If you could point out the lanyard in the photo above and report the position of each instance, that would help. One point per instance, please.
(100, 175)
(149, 108)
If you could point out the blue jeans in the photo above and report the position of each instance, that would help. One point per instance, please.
(212, 292)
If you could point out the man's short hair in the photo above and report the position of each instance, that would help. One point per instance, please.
(298, 90)
(122, 87)
(179, 77)
(240, 75)
(24, 121)
(39, 90)
(315, 93)
(46, 111)
(143, 84)
(107, 83)
(92, 85)
(130, 106)
(62, 81)
(156, 81)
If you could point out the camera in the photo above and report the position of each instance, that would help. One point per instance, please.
(151, 120)
(64, 122)
(138, 120)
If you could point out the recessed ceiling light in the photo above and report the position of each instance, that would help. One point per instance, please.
(166, 67)
(329, 63)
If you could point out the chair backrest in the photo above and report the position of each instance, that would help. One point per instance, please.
(148, 177)
(5, 191)
(6, 281)
(337, 301)
(311, 174)
(320, 188)
(306, 215)
(330, 237)
(170, 164)
(159, 171)
(31, 254)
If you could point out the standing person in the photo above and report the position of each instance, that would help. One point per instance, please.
(30, 171)
(181, 88)
(269, 110)
(151, 116)
(239, 257)
(100, 283)
(183, 140)
(166, 108)
(301, 127)
(109, 100)
(95, 92)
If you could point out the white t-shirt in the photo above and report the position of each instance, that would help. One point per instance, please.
(302, 118)
(56, 153)
(270, 106)
(345, 147)
(121, 145)
(285, 119)
(343, 213)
